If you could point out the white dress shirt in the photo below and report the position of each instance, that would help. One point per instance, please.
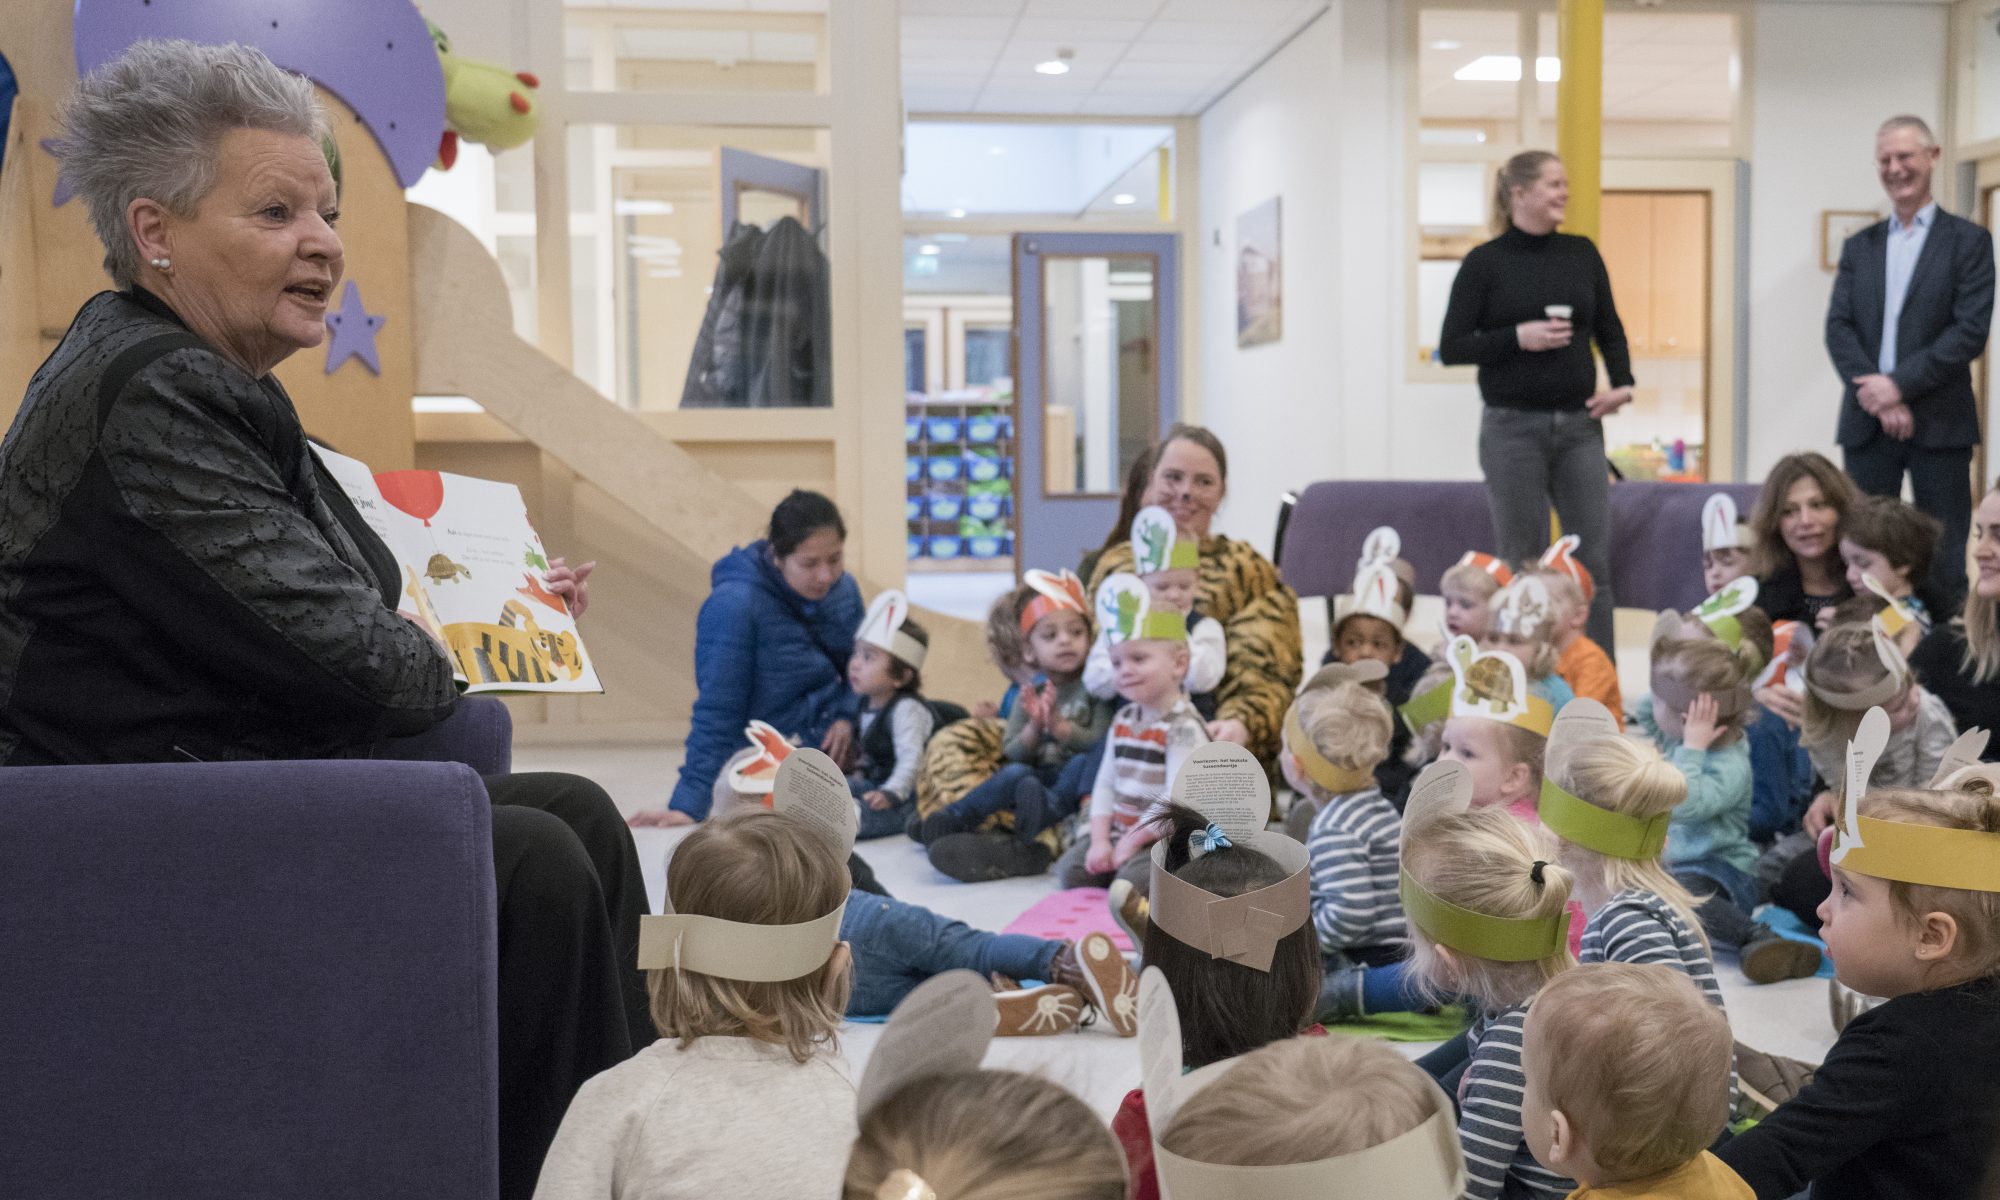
(1906, 243)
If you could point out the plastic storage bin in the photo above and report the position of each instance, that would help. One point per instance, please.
(985, 429)
(913, 508)
(987, 546)
(915, 548)
(945, 508)
(981, 469)
(913, 469)
(944, 546)
(913, 428)
(986, 508)
(945, 467)
(942, 429)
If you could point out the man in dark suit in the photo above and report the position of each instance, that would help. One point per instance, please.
(1911, 309)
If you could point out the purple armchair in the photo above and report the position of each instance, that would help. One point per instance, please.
(252, 979)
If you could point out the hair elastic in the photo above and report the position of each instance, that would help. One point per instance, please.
(1208, 841)
(1535, 872)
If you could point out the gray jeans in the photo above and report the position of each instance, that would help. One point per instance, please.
(1533, 459)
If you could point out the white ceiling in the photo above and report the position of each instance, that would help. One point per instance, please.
(1153, 58)
(1657, 66)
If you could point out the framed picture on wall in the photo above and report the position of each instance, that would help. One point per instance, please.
(1260, 280)
(1836, 225)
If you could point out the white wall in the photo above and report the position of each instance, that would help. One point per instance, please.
(1825, 76)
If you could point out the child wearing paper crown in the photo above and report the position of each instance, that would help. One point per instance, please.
(1335, 734)
(1493, 723)
(1727, 544)
(1047, 744)
(1696, 714)
(1368, 622)
(747, 1012)
(1373, 1126)
(1608, 799)
(1489, 919)
(1151, 735)
(1905, 1104)
(1891, 542)
(885, 673)
(1232, 999)
(1628, 1070)
(1580, 662)
(1468, 589)
(934, 1126)
(1525, 623)
(1169, 564)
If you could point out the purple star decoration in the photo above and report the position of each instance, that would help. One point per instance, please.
(354, 331)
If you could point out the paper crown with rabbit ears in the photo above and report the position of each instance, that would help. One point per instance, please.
(1896, 614)
(1489, 685)
(1055, 591)
(1524, 609)
(883, 629)
(1230, 789)
(1896, 676)
(1444, 790)
(1374, 595)
(1575, 818)
(810, 790)
(1721, 528)
(1125, 613)
(1157, 544)
(1491, 564)
(1424, 1163)
(1562, 557)
(1904, 851)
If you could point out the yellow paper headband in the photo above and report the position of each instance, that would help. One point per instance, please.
(1901, 850)
(1322, 770)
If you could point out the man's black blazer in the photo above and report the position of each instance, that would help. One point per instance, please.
(1946, 315)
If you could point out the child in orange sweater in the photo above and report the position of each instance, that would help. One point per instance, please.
(1582, 663)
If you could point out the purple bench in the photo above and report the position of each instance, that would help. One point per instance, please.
(1655, 534)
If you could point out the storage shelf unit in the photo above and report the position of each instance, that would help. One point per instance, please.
(958, 469)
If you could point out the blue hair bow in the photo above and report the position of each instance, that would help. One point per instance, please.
(1208, 841)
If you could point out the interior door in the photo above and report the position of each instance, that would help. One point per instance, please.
(1097, 380)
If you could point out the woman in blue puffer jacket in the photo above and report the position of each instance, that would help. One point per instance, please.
(771, 644)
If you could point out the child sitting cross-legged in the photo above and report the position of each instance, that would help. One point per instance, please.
(1334, 735)
(885, 673)
(1151, 735)
(1053, 726)
(1234, 997)
(1336, 1117)
(1905, 1104)
(934, 1126)
(1489, 920)
(1628, 1084)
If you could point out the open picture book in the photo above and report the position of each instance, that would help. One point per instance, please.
(473, 576)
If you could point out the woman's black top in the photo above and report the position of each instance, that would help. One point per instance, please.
(1782, 595)
(1514, 278)
(1938, 661)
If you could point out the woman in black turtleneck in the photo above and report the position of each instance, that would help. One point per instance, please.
(1541, 439)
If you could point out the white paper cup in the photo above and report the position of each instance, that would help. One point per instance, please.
(1558, 312)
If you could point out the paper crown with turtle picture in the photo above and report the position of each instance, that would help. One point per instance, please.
(1486, 685)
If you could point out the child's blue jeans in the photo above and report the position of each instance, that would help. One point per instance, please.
(878, 823)
(897, 946)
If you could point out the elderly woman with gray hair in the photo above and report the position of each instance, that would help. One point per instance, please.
(181, 580)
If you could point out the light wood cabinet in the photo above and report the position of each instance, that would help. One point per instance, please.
(1655, 248)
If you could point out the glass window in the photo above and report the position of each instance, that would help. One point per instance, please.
(988, 357)
(1671, 81)
(1102, 381)
(1468, 75)
(959, 169)
(695, 47)
(913, 359)
(649, 210)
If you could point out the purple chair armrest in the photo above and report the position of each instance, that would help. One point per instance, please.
(479, 733)
(247, 979)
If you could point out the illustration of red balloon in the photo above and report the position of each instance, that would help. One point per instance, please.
(419, 493)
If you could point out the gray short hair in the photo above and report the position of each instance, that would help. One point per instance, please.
(147, 125)
(1906, 121)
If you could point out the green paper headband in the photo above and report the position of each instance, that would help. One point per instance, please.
(1618, 835)
(1428, 708)
(1497, 939)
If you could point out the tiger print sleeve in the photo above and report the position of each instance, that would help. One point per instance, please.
(1260, 617)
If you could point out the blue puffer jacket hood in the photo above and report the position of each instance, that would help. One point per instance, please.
(762, 652)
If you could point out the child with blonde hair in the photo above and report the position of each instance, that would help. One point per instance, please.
(1525, 621)
(1696, 714)
(748, 979)
(1468, 589)
(1489, 919)
(1334, 737)
(1580, 662)
(1905, 1103)
(1493, 722)
(1628, 1070)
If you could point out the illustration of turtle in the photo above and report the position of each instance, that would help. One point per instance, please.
(442, 569)
(1488, 679)
(535, 559)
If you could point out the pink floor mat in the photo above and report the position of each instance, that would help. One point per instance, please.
(1071, 915)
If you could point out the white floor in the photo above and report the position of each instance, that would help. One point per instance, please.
(1787, 1018)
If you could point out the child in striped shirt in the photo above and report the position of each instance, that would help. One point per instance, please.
(1334, 737)
(1488, 919)
(1151, 735)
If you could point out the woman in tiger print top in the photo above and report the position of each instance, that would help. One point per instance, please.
(1239, 587)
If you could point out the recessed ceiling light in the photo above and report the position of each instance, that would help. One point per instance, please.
(1059, 65)
(1124, 198)
(1506, 68)
(1446, 44)
(927, 248)
(996, 151)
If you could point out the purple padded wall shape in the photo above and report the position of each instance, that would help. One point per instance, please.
(376, 55)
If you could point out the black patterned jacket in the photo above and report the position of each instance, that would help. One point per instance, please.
(177, 580)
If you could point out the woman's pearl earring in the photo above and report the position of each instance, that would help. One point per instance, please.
(164, 264)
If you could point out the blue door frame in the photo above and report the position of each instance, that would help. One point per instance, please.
(1053, 532)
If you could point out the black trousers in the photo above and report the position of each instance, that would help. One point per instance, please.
(1940, 484)
(572, 998)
